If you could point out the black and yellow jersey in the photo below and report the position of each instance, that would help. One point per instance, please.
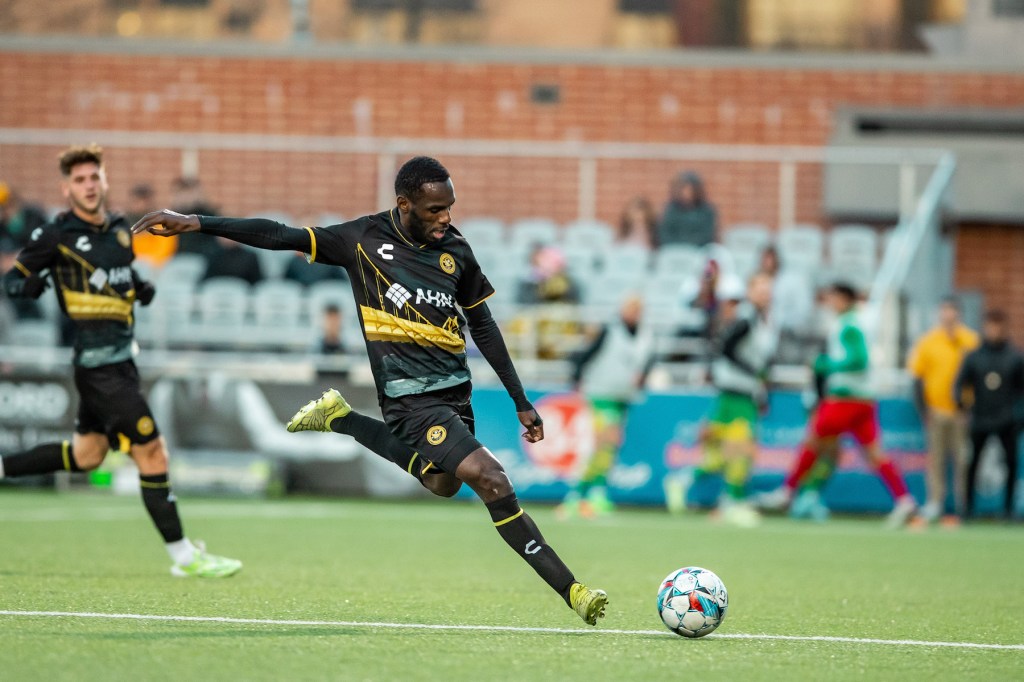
(90, 268)
(409, 298)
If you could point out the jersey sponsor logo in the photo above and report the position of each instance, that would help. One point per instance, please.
(436, 434)
(124, 239)
(145, 426)
(532, 547)
(83, 244)
(36, 234)
(435, 298)
(447, 263)
(113, 277)
(398, 295)
(385, 251)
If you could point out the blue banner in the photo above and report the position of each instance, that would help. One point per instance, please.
(662, 436)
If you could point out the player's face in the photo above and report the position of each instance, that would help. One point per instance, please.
(428, 216)
(949, 316)
(838, 302)
(760, 292)
(85, 188)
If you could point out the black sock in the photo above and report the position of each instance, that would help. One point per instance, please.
(520, 532)
(374, 435)
(42, 459)
(162, 506)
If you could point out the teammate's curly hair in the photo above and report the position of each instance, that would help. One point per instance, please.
(415, 173)
(73, 156)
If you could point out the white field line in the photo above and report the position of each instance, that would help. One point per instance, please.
(492, 628)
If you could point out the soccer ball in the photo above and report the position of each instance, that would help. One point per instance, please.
(692, 601)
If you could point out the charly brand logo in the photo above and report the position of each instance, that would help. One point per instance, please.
(82, 244)
(385, 251)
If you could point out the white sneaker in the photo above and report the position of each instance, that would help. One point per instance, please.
(774, 500)
(741, 515)
(677, 487)
(901, 513)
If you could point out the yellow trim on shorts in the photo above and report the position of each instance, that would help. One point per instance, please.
(412, 461)
(511, 518)
(312, 242)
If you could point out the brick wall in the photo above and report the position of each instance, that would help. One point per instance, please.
(988, 259)
(433, 99)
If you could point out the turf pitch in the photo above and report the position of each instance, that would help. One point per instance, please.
(360, 581)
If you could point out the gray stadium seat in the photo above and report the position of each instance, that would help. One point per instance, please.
(184, 268)
(800, 246)
(33, 334)
(527, 233)
(279, 315)
(587, 234)
(168, 320)
(626, 258)
(223, 305)
(747, 241)
(273, 263)
(482, 232)
(679, 259)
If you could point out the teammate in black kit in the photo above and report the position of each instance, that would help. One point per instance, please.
(87, 253)
(417, 284)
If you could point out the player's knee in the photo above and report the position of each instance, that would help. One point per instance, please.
(89, 456)
(151, 457)
(443, 486)
(494, 481)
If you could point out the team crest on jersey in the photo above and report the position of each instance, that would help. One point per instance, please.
(145, 426)
(447, 263)
(436, 435)
(124, 239)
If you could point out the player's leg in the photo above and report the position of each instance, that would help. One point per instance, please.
(482, 472)
(1008, 438)
(739, 448)
(864, 428)
(332, 413)
(591, 491)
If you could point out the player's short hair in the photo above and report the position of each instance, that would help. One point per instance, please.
(332, 309)
(415, 173)
(72, 156)
(845, 289)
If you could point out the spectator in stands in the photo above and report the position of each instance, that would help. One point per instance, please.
(330, 341)
(232, 259)
(18, 217)
(689, 218)
(934, 363)
(548, 280)
(305, 273)
(638, 225)
(187, 196)
(994, 375)
(148, 247)
(793, 300)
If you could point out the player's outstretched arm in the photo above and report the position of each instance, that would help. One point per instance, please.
(492, 346)
(258, 232)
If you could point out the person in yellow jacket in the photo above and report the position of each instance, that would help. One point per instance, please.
(934, 363)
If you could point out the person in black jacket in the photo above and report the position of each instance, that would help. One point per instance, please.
(995, 375)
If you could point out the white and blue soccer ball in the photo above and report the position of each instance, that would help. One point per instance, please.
(692, 601)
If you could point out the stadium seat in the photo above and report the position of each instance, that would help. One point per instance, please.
(610, 288)
(587, 234)
(223, 304)
(273, 263)
(483, 233)
(528, 233)
(853, 254)
(167, 321)
(678, 259)
(581, 262)
(278, 315)
(801, 246)
(626, 258)
(182, 268)
(33, 334)
(746, 241)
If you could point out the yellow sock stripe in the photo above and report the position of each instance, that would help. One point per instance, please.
(415, 456)
(511, 518)
(147, 484)
(312, 245)
(66, 455)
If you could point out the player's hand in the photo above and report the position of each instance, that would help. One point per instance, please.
(32, 286)
(166, 223)
(534, 425)
(144, 293)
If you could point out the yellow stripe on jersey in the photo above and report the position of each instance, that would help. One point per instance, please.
(382, 326)
(83, 306)
(312, 245)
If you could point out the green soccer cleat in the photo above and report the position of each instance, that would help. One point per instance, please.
(318, 414)
(206, 565)
(588, 603)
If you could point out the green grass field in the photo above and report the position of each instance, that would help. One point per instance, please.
(349, 564)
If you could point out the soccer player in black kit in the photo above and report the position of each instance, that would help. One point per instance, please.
(416, 283)
(87, 252)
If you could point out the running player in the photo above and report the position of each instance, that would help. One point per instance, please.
(739, 372)
(416, 283)
(87, 252)
(609, 373)
(848, 408)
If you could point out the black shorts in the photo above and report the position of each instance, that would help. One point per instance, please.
(439, 424)
(111, 403)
